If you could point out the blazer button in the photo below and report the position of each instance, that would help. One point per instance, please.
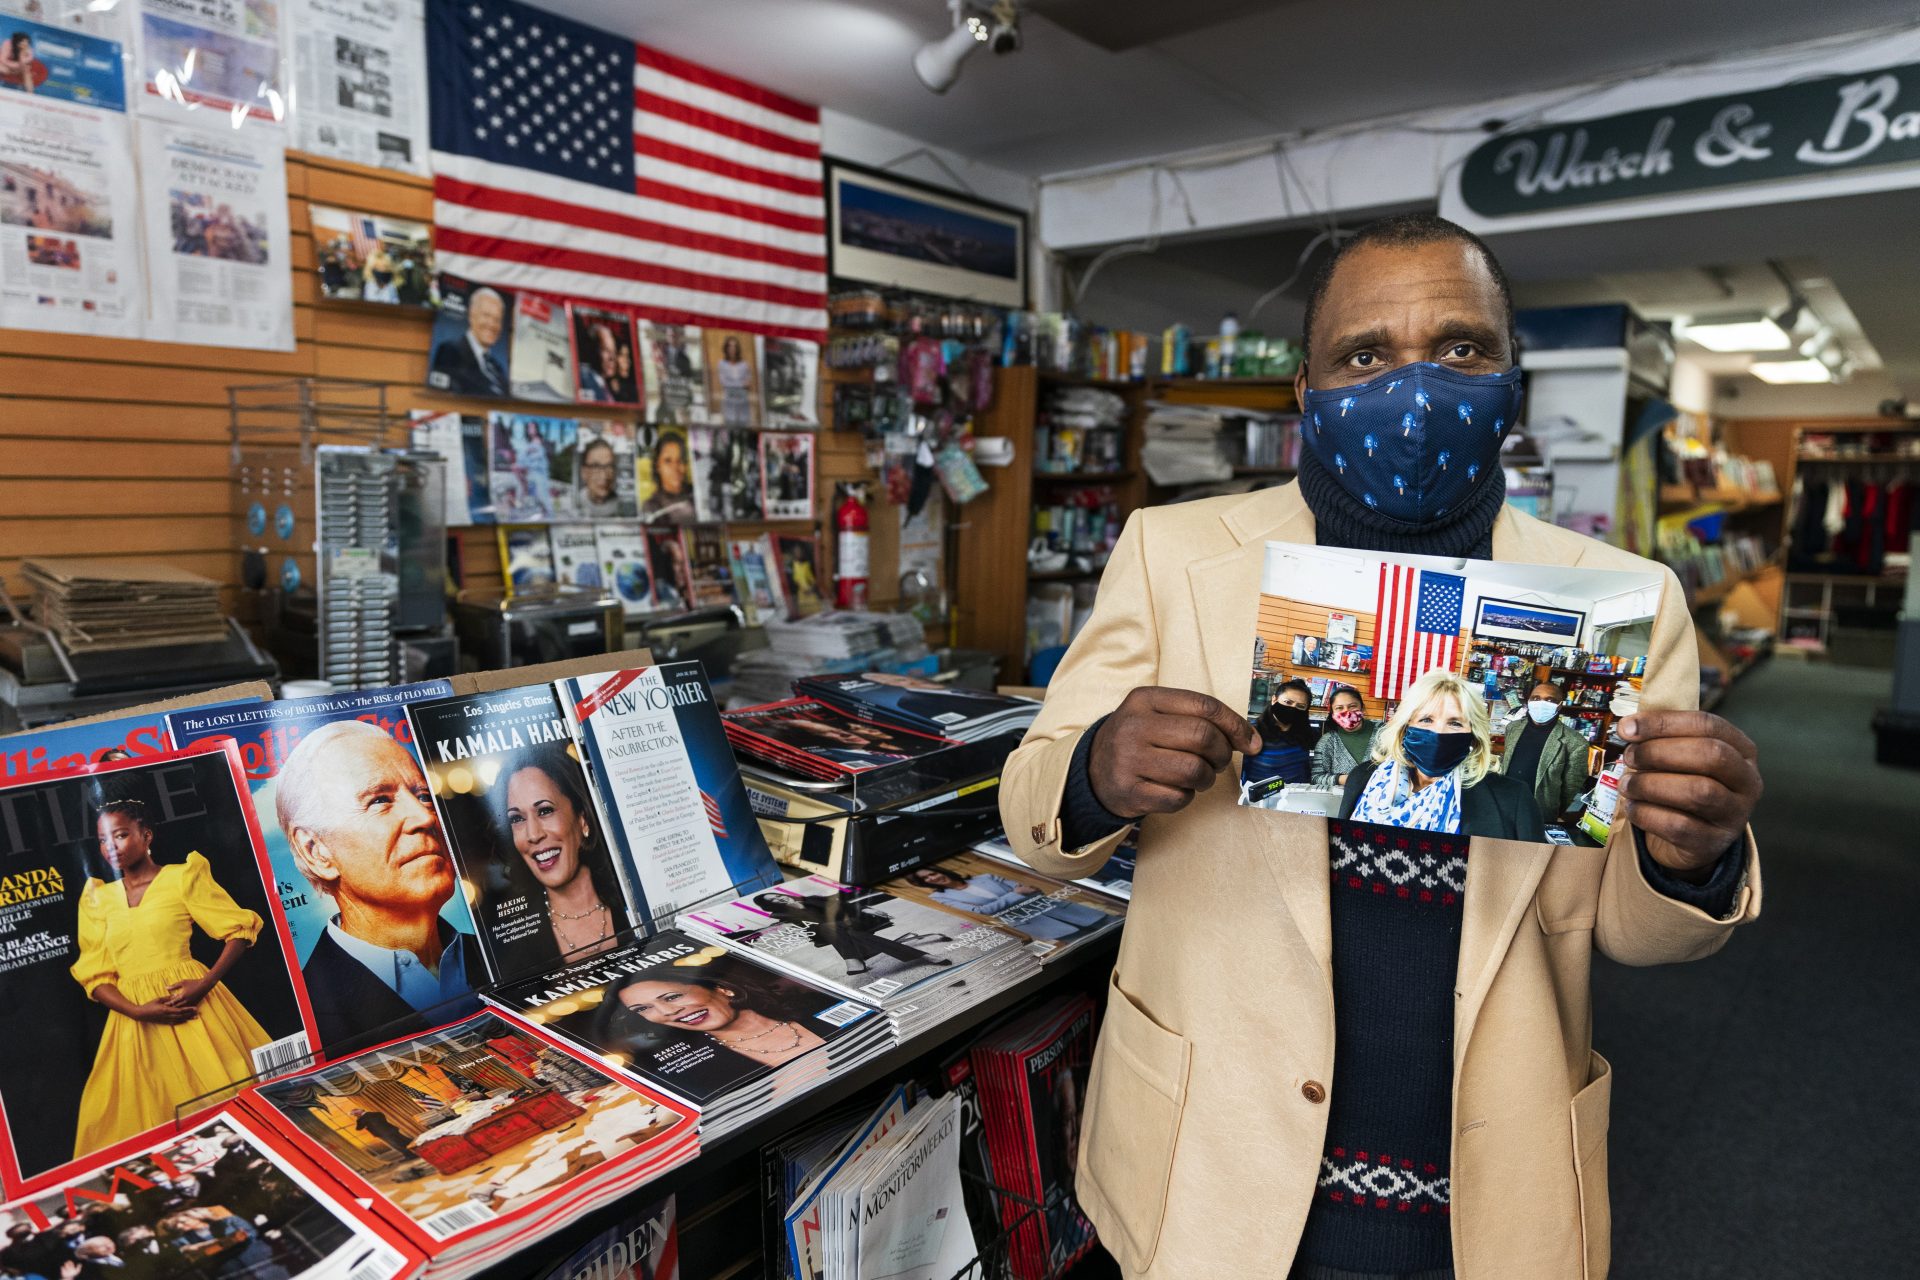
(1313, 1091)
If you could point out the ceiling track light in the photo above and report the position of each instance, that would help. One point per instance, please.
(995, 25)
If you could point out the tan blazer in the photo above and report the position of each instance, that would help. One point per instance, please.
(1207, 1109)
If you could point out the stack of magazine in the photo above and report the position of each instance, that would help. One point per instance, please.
(888, 1202)
(720, 1032)
(1032, 1076)
(918, 963)
(814, 740)
(1114, 880)
(472, 1141)
(966, 715)
(1054, 917)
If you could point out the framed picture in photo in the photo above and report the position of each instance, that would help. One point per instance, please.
(1510, 620)
(893, 231)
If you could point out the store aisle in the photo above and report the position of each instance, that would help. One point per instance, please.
(1764, 1110)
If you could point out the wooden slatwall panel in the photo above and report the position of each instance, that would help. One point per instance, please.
(117, 447)
(1282, 619)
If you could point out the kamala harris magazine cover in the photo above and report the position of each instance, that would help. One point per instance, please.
(521, 820)
(140, 942)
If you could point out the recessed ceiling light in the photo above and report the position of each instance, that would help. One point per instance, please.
(1784, 371)
(1750, 332)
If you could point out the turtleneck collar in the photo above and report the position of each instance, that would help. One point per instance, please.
(1341, 520)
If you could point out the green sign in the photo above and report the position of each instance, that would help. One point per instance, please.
(1824, 126)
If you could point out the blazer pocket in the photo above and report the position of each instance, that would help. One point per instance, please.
(1591, 1109)
(1569, 894)
(1135, 1099)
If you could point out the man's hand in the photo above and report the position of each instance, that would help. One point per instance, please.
(1692, 783)
(1160, 747)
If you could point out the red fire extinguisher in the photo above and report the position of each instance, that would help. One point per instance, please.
(850, 555)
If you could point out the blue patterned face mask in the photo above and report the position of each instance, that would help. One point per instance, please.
(1413, 443)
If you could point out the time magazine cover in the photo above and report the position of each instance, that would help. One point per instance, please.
(139, 941)
(521, 821)
(338, 788)
(222, 1199)
(669, 788)
(455, 1131)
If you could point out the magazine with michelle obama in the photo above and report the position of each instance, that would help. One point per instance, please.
(179, 921)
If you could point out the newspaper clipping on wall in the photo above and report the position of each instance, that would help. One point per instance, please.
(359, 71)
(69, 246)
(223, 54)
(216, 221)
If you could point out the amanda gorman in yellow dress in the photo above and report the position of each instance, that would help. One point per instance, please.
(174, 1032)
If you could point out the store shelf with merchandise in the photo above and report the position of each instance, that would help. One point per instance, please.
(1721, 527)
(1052, 517)
(1848, 521)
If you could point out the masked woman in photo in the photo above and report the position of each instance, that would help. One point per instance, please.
(730, 1013)
(1347, 739)
(174, 1032)
(1286, 738)
(555, 857)
(1432, 769)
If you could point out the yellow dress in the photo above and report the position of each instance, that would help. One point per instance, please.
(144, 1070)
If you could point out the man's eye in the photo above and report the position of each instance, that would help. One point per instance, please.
(1363, 359)
(1462, 350)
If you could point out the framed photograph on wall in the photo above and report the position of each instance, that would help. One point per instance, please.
(893, 231)
(1510, 620)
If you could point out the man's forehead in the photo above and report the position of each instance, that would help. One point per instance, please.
(1395, 275)
(365, 757)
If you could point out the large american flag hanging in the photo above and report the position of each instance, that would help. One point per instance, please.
(1418, 626)
(574, 162)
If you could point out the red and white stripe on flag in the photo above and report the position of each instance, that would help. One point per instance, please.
(1402, 652)
(725, 224)
(714, 819)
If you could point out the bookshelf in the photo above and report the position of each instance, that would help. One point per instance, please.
(993, 576)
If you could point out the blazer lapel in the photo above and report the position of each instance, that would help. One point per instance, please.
(1226, 599)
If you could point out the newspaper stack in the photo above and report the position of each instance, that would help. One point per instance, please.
(96, 605)
(920, 964)
(1183, 444)
(848, 633)
(713, 1029)
(890, 1202)
(1055, 918)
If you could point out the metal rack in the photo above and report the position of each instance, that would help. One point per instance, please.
(318, 494)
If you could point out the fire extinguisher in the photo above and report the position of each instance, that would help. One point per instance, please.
(850, 556)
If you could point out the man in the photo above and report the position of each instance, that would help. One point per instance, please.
(359, 818)
(1343, 1082)
(466, 365)
(1542, 751)
(377, 1125)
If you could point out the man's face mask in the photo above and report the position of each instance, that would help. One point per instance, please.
(1414, 443)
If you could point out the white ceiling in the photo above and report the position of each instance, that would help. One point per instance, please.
(1063, 102)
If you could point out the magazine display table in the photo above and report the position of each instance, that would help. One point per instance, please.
(488, 1130)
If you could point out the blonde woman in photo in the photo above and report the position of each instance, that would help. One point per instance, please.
(1433, 769)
